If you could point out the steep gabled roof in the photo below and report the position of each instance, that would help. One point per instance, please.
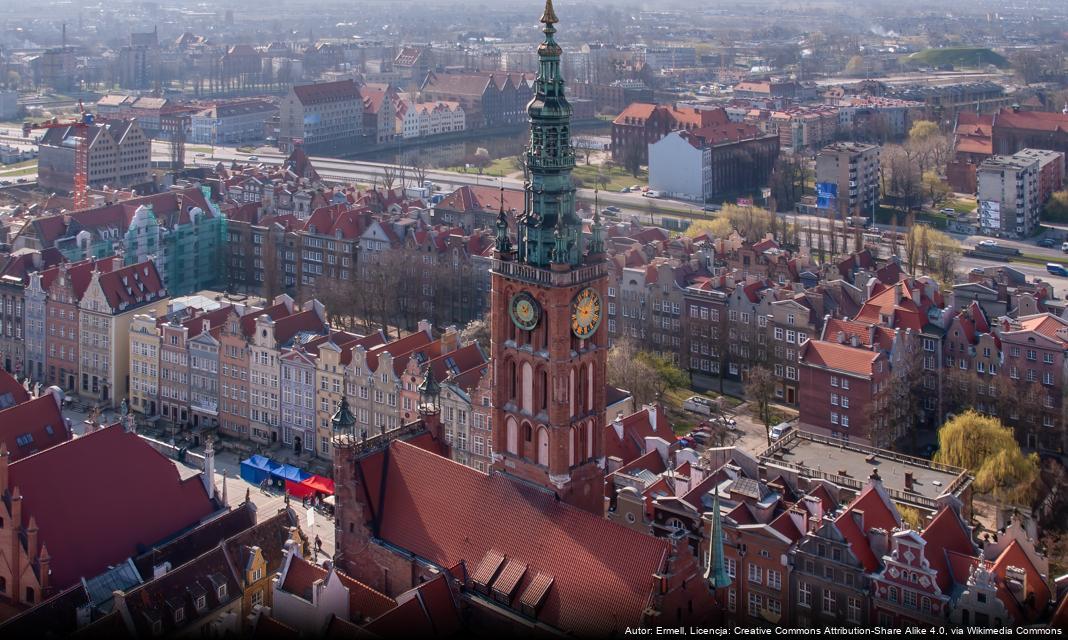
(875, 510)
(839, 357)
(131, 286)
(32, 426)
(11, 392)
(428, 505)
(945, 533)
(93, 511)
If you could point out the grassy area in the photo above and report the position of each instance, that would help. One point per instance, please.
(969, 57)
(618, 177)
(683, 421)
(24, 171)
(885, 214)
(197, 148)
(19, 165)
(963, 206)
(499, 168)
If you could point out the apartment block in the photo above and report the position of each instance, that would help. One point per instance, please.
(854, 171)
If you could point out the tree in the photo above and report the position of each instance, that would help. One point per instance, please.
(752, 223)
(646, 375)
(935, 188)
(1056, 209)
(602, 178)
(911, 243)
(389, 176)
(418, 169)
(481, 159)
(477, 331)
(910, 516)
(989, 450)
(894, 237)
(719, 227)
(760, 390)
(632, 161)
(922, 130)
(855, 66)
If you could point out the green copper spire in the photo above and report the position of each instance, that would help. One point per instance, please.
(596, 230)
(503, 243)
(716, 573)
(550, 195)
(343, 420)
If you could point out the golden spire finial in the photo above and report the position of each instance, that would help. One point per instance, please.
(549, 16)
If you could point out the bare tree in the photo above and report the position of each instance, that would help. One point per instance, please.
(760, 390)
(389, 176)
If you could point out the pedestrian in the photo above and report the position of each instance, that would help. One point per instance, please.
(318, 543)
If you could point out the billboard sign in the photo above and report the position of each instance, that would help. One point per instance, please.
(745, 202)
(826, 195)
(990, 214)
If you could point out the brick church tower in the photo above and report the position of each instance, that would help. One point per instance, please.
(548, 347)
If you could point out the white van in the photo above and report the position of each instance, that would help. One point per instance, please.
(699, 404)
(651, 194)
(780, 430)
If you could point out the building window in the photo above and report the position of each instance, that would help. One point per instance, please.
(853, 612)
(804, 594)
(754, 604)
(756, 574)
(774, 579)
(828, 601)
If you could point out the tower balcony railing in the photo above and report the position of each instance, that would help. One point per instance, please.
(537, 275)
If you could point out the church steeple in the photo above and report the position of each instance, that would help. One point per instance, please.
(550, 195)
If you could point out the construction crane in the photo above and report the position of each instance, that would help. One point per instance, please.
(80, 128)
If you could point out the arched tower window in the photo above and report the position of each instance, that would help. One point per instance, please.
(543, 446)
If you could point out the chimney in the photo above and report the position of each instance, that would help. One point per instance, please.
(424, 325)
(858, 518)
(897, 293)
(208, 475)
(854, 341)
(617, 425)
(908, 481)
(44, 568)
(31, 539)
(879, 540)
(16, 507)
(652, 408)
(841, 337)
(450, 340)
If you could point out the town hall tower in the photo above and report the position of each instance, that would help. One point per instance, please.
(549, 348)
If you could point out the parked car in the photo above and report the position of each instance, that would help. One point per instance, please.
(253, 158)
(5, 182)
(612, 209)
(625, 190)
(198, 154)
(1055, 269)
(651, 194)
(699, 404)
(21, 180)
(988, 243)
(1064, 247)
(949, 212)
(730, 423)
(1047, 242)
(780, 430)
(712, 207)
(637, 187)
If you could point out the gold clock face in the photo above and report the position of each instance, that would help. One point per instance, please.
(585, 313)
(525, 311)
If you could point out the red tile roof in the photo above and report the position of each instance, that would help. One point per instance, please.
(636, 427)
(364, 601)
(1015, 556)
(132, 286)
(896, 301)
(11, 392)
(97, 500)
(32, 426)
(425, 611)
(1047, 121)
(839, 357)
(309, 94)
(603, 573)
(276, 312)
(877, 513)
(945, 533)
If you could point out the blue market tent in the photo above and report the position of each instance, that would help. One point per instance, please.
(257, 468)
(288, 472)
